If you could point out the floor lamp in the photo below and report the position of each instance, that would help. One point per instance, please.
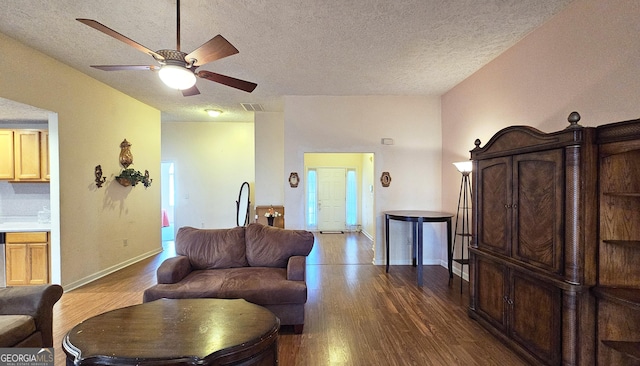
(462, 228)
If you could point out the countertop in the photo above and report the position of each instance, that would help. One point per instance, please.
(23, 226)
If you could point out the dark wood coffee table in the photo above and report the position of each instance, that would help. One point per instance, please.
(177, 332)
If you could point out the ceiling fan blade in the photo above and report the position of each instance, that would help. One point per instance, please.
(214, 49)
(125, 67)
(110, 32)
(227, 80)
(191, 91)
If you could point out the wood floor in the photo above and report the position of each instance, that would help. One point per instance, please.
(356, 313)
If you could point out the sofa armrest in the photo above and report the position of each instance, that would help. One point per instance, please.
(296, 268)
(174, 269)
(35, 301)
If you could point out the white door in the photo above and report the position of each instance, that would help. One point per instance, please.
(331, 199)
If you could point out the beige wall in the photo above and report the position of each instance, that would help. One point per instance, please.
(269, 151)
(89, 121)
(368, 197)
(357, 124)
(212, 160)
(585, 59)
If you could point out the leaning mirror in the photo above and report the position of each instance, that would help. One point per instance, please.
(242, 213)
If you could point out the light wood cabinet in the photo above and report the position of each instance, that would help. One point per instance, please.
(24, 155)
(45, 169)
(6, 154)
(27, 258)
(27, 155)
(533, 257)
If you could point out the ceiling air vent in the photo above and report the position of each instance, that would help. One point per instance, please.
(252, 107)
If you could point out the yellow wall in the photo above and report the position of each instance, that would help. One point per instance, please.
(92, 120)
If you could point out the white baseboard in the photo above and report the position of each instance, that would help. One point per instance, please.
(83, 281)
(456, 270)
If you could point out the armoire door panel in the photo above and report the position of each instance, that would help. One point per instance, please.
(494, 199)
(535, 320)
(490, 292)
(538, 209)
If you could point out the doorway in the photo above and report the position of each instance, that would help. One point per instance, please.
(332, 199)
(167, 182)
(339, 192)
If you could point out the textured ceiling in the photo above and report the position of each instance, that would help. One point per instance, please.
(328, 47)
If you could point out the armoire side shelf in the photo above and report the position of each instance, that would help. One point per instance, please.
(618, 274)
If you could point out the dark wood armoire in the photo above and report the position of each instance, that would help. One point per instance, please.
(533, 258)
(555, 258)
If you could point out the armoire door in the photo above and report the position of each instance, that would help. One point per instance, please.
(535, 319)
(491, 288)
(493, 202)
(538, 208)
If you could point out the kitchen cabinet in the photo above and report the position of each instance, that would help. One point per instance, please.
(25, 156)
(6, 154)
(27, 258)
(532, 259)
(45, 169)
(618, 274)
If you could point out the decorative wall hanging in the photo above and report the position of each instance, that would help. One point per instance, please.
(385, 179)
(99, 178)
(126, 158)
(129, 176)
(294, 179)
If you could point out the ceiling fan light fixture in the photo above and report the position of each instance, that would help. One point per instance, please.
(213, 112)
(177, 77)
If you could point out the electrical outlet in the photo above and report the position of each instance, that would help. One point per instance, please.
(125, 242)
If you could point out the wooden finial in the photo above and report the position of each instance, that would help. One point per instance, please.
(574, 118)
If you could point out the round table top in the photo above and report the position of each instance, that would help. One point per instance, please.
(182, 330)
(418, 214)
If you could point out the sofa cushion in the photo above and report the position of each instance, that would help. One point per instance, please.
(15, 328)
(212, 248)
(269, 246)
(259, 285)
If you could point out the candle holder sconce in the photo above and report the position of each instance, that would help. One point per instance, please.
(99, 178)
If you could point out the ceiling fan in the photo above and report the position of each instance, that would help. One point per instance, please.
(177, 69)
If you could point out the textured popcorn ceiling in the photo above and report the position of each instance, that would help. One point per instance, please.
(322, 47)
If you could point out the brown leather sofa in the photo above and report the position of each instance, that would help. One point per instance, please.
(26, 315)
(261, 264)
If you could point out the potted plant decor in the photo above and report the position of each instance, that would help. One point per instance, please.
(131, 177)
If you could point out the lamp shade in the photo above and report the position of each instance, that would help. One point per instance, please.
(464, 166)
(177, 77)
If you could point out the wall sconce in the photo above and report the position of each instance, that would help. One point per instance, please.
(294, 179)
(99, 178)
(385, 179)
